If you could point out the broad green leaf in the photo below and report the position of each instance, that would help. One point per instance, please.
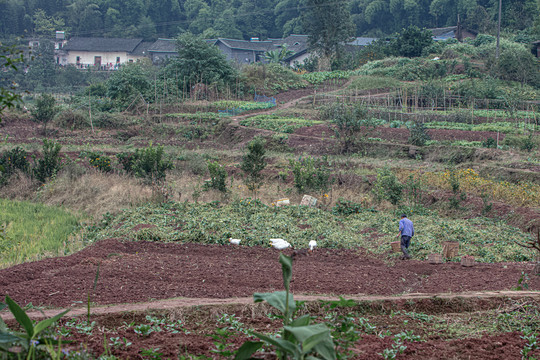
(277, 299)
(6, 338)
(311, 357)
(301, 333)
(286, 267)
(325, 346)
(20, 316)
(312, 341)
(303, 320)
(247, 349)
(283, 345)
(42, 325)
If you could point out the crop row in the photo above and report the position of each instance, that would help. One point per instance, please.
(255, 223)
(276, 123)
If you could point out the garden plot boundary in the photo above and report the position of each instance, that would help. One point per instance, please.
(170, 304)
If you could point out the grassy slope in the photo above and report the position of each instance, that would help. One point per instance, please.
(34, 231)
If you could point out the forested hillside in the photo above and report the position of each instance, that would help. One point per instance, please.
(248, 18)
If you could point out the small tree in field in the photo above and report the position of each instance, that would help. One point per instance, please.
(253, 163)
(44, 110)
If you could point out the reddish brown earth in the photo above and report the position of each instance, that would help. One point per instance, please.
(197, 341)
(140, 271)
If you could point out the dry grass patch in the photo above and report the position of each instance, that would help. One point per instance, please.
(96, 193)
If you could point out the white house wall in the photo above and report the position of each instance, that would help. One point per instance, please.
(87, 57)
(300, 59)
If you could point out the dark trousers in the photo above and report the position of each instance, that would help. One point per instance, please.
(405, 242)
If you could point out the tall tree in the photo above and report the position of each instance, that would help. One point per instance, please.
(329, 26)
(198, 62)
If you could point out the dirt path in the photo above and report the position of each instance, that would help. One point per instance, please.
(169, 304)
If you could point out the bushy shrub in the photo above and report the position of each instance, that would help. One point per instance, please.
(419, 135)
(346, 207)
(253, 162)
(525, 143)
(353, 126)
(218, 177)
(71, 119)
(460, 116)
(98, 161)
(12, 161)
(312, 174)
(49, 163)
(105, 120)
(490, 143)
(270, 77)
(387, 186)
(149, 163)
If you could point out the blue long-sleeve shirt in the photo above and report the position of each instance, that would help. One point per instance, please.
(406, 227)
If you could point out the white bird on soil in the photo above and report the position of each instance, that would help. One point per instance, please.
(279, 244)
(312, 245)
(234, 241)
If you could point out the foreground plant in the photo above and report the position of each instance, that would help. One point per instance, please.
(297, 339)
(30, 339)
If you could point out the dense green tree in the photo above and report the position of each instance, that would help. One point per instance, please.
(131, 81)
(10, 59)
(46, 25)
(253, 163)
(329, 26)
(44, 110)
(289, 16)
(412, 41)
(41, 69)
(83, 15)
(198, 62)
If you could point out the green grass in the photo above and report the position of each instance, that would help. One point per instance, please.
(34, 231)
(255, 223)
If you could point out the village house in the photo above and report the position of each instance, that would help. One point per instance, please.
(536, 48)
(104, 53)
(161, 50)
(453, 32)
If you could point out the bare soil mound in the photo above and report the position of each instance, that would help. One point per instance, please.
(142, 271)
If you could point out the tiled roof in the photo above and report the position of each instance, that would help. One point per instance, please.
(101, 44)
(362, 41)
(163, 45)
(247, 45)
(142, 49)
(443, 32)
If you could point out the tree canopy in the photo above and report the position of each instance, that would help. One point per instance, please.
(252, 18)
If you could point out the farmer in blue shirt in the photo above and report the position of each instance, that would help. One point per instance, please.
(406, 231)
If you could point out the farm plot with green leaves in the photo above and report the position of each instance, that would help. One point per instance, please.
(243, 105)
(278, 123)
(255, 223)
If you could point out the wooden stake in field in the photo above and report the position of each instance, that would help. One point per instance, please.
(90, 112)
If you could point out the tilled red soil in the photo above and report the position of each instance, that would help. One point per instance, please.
(140, 271)
(401, 135)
